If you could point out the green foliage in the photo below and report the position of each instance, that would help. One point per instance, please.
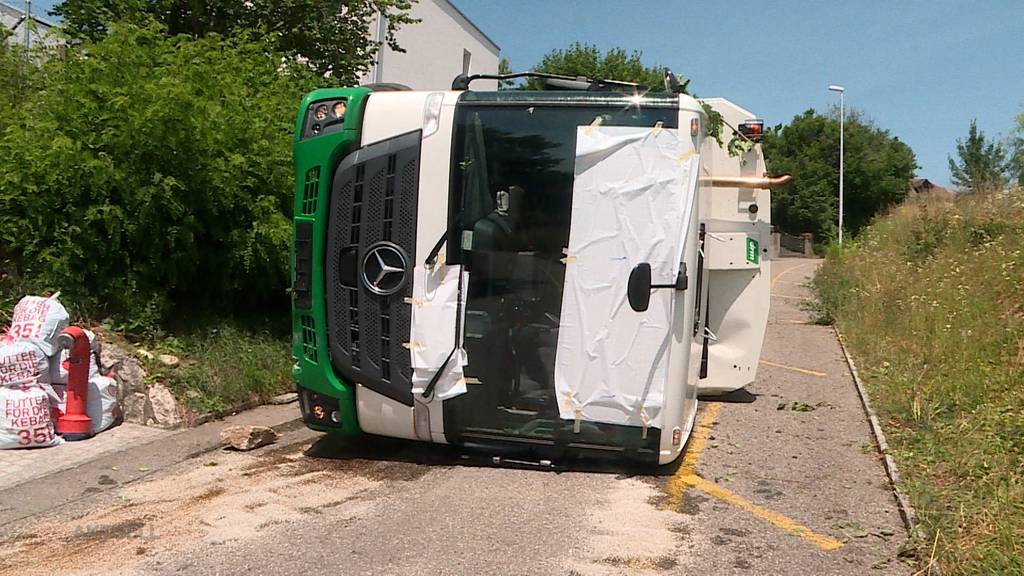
(878, 168)
(150, 172)
(225, 364)
(980, 165)
(928, 300)
(1015, 164)
(19, 73)
(505, 67)
(332, 36)
(587, 60)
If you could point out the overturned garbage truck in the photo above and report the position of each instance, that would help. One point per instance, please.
(544, 274)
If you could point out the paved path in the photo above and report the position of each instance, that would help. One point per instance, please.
(786, 483)
(18, 466)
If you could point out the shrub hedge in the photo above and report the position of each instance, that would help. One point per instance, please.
(143, 173)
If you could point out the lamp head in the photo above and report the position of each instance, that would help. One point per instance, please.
(836, 88)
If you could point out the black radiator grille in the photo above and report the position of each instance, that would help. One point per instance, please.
(385, 342)
(374, 196)
(309, 338)
(353, 327)
(311, 191)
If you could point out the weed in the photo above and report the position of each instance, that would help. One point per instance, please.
(928, 299)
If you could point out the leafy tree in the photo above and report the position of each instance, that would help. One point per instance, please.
(877, 165)
(152, 171)
(587, 60)
(1016, 147)
(505, 67)
(333, 36)
(19, 74)
(980, 165)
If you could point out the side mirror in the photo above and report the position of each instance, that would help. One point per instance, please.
(638, 290)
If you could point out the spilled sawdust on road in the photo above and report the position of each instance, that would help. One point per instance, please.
(232, 496)
(632, 535)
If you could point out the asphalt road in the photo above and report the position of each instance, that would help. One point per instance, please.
(783, 480)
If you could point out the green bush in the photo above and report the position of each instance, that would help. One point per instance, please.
(145, 173)
(877, 172)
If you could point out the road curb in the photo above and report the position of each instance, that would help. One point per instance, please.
(906, 510)
(278, 400)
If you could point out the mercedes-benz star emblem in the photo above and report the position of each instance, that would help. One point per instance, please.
(384, 268)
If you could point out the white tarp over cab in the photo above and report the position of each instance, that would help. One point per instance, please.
(633, 192)
(435, 331)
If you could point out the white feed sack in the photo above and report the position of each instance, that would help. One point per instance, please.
(25, 418)
(22, 362)
(40, 320)
(633, 192)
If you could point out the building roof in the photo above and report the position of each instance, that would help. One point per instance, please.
(925, 187)
(12, 17)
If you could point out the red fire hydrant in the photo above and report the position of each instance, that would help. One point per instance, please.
(75, 423)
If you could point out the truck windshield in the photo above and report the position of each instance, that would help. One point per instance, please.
(511, 203)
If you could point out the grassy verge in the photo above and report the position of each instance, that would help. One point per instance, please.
(225, 363)
(930, 300)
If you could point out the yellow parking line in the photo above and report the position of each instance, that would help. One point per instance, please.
(686, 477)
(676, 487)
(793, 368)
(787, 271)
(711, 489)
(774, 295)
(700, 437)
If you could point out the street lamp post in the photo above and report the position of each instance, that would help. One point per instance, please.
(842, 117)
(28, 24)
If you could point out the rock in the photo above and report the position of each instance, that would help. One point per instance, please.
(168, 360)
(134, 407)
(143, 353)
(164, 408)
(247, 437)
(131, 378)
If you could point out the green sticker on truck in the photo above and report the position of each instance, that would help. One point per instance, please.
(753, 254)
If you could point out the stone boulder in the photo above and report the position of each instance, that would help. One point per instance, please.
(163, 410)
(247, 437)
(142, 402)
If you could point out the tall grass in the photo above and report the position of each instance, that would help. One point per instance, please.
(930, 300)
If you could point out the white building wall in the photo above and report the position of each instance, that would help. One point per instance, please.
(41, 32)
(436, 50)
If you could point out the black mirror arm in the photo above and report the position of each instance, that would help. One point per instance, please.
(432, 256)
(681, 283)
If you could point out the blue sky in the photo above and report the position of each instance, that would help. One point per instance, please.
(920, 68)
